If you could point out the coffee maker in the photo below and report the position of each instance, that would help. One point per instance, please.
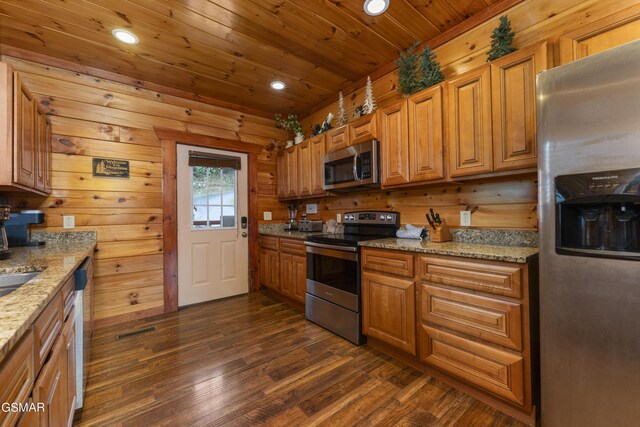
(17, 227)
(598, 214)
(4, 243)
(293, 213)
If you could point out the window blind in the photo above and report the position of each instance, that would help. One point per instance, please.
(198, 158)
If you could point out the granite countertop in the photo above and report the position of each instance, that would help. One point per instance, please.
(300, 235)
(516, 254)
(57, 260)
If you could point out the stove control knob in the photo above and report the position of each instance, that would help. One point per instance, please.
(381, 217)
(350, 217)
(389, 217)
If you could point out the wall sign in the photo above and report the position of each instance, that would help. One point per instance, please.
(110, 168)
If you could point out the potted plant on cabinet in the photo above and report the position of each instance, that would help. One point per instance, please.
(292, 124)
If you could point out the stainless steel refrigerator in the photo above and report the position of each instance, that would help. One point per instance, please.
(589, 219)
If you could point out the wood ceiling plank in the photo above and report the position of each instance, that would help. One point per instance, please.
(268, 28)
(438, 12)
(160, 48)
(330, 33)
(326, 10)
(468, 8)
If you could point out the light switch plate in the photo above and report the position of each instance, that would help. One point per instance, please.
(312, 208)
(338, 218)
(69, 221)
(267, 216)
(465, 218)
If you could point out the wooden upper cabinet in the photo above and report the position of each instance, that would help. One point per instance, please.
(513, 86)
(304, 171)
(338, 138)
(42, 158)
(25, 146)
(426, 135)
(291, 154)
(363, 129)
(469, 117)
(394, 150)
(282, 174)
(317, 144)
(614, 30)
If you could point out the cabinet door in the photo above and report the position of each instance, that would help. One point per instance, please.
(270, 269)
(282, 174)
(317, 164)
(388, 310)
(394, 147)
(426, 135)
(614, 30)
(299, 282)
(292, 172)
(69, 336)
(337, 138)
(304, 169)
(16, 378)
(513, 87)
(42, 159)
(363, 129)
(286, 274)
(51, 388)
(25, 147)
(47, 146)
(469, 118)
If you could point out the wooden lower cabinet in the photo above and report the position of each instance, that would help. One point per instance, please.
(388, 310)
(16, 378)
(284, 269)
(466, 321)
(51, 388)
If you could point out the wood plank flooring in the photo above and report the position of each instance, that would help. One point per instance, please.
(254, 360)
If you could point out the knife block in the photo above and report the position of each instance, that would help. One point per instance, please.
(441, 233)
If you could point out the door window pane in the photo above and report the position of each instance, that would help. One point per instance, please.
(213, 197)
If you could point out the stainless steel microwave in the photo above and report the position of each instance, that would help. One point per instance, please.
(352, 167)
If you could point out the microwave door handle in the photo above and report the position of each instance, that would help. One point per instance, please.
(355, 167)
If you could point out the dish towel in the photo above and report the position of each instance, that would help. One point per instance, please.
(410, 232)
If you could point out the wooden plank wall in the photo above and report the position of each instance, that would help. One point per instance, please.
(98, 118)
(505, 203)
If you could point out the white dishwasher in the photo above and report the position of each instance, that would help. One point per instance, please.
(84, 325)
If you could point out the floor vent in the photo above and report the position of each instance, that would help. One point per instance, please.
(136, 332)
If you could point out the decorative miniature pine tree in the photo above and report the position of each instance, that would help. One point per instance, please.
(369, 101)
(501, 40)
(408, 81)
(342, 116)
(430, 73)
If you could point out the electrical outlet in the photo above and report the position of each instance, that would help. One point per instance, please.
(465, 218)
(69, 221)
(338, 218)
(267, 216)
(312, 208)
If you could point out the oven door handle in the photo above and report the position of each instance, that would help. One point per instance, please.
(344, 252)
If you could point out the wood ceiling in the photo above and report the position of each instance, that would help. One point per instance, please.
(231, 49)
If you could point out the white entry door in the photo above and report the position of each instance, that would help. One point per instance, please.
(213, 250)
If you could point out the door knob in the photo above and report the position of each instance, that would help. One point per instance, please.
(244, 234)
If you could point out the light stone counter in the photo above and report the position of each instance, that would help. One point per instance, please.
(57, 260)
(517, 254)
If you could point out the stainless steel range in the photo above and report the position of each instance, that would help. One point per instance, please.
(333, 271)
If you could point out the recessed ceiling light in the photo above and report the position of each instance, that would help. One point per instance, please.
(375, 7)
(277, 85)
(125, 36)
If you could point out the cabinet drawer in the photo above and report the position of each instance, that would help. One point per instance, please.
(16, 378)
(363, 129)
(46, 330)
(291, 246)
(68, 296)
(390, 262)
(492, 277)
(269, 242)
(496, 371)
(493, 320)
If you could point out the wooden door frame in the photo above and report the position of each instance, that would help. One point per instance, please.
(169, 139)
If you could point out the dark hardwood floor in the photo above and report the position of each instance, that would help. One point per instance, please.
(255, 360)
